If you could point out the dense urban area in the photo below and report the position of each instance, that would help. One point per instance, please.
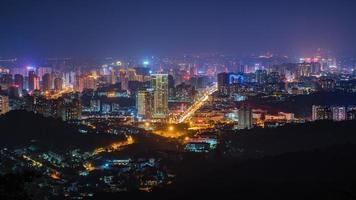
(82, 129)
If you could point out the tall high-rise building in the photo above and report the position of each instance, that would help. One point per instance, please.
(144, 103)
(223, 83)
(351, 113)
(159, 83)
(6, 80)
(131, 74)
(69, 78)
(72, 110)
(315, 68)
(47, 81)
(228, 83)
(261, 76)
(58, 83)
(338, 113)
(18, 80)
(79, 83)
(304, 70)
(273, 78)
(33, 81)
(124, 80)
(36, 83)
(171, 89)
(327, 83)
(4, 104)
(90, 82)
(14, 91)
(321, 113)
(113, 76)
(245, 118)
(41, 71)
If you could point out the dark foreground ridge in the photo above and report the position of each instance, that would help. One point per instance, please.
(301, 161)
(320, 174)
(20, 127)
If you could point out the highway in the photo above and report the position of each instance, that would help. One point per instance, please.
(89, 166)
(198, 103)
(115, 146)
(58, 94)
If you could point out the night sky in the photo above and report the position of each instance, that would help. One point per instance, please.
(100, 28)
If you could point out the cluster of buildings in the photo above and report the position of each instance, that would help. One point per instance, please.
(66, 107)
(152, 103)
(29, 79)
(119, 96)
(77, 174)
(157, 88)
(335, 113)
(202, 143)
(272, 76)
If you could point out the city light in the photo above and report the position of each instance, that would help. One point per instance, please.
(30, 68)
(110, 99)
(145, 62)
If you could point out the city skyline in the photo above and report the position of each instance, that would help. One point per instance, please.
(169, 99)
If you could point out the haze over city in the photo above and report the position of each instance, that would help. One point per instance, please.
(91, 28)
(154, 99)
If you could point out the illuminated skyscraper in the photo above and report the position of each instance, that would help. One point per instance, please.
(351, 113)
(41, 71)
(245, 118)
(144, 104)
(79, 83)
(228, 83)
(261, 76)
(327, 84)
(171, 88)
(4, 104)
(58, 83)
(72, 110)
(338, 113)
(47, 81)
(159, 83)
(90, 82)
(33, 81)
(223, 83)
(113, 76)
(124, 80)
(321, 113)
(6, 80)
(31, 77)
(18, 80)
(131, 74)
(304, 70)
(69, 78)
(14, 91)
(36, 83)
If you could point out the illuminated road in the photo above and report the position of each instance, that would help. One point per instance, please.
(114, 146)
(89, 166)
(54, 174)
(58, 94)
(197, 104)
